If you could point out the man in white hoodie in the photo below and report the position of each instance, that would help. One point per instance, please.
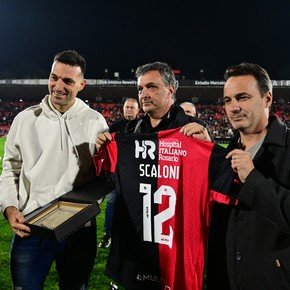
(49, 151)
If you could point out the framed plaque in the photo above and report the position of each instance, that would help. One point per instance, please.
(57, 214)
(69, 212)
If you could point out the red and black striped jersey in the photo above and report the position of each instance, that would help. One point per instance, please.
(166, 184)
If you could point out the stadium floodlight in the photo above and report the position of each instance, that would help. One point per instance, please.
(106, 73)
(201, 72)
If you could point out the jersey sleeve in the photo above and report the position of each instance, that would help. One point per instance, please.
(222, 179)
(106, 159)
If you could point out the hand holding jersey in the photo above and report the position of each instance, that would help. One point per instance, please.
(195, 130)
(102, 139)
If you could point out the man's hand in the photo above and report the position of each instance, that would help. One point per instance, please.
(195, 130)
(242, 163)
(102, 139)
(16, 221)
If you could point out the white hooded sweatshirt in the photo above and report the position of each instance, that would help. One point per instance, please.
(48, 153)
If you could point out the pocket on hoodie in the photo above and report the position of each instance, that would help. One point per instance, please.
(42, 195)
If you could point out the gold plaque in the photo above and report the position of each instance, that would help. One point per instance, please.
(57, 214)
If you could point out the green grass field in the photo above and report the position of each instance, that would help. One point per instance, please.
(98, 280)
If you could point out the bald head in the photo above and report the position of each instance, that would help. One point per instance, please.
(130, 109)
(189, 108)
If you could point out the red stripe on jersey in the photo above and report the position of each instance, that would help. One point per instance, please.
(106, 159)
(221, 198)
(182, 266)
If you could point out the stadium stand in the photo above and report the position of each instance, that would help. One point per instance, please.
(212, 114)
(107, 96)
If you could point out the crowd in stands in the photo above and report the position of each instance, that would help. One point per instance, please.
(213, 115)
(8, 110)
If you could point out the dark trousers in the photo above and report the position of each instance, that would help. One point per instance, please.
(32, 257)
(110, 205)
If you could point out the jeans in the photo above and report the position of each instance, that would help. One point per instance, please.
(109, 212)
(32, 257)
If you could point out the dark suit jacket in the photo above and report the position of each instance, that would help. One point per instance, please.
(258, 229)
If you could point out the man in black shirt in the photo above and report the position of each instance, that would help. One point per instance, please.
(130, 112)
(157, 87)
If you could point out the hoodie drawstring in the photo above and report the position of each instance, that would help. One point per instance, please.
(72, 140)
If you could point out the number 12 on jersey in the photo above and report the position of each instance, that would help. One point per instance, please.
(160, 218)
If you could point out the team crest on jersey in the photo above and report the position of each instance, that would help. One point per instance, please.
(145, 148)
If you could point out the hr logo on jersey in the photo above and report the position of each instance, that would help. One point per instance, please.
(146, 147)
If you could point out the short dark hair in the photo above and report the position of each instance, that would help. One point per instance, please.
(163, 68)
(260, 74)
(71, 58)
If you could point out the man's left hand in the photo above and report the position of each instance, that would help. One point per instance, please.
(242, 163)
